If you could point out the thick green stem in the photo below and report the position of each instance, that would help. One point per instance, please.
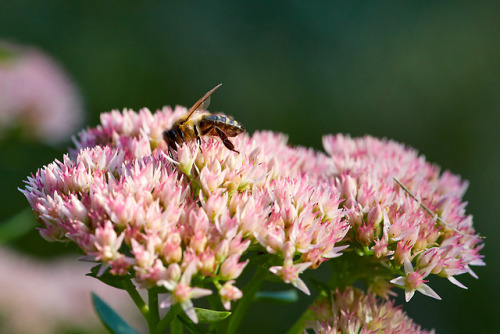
(154, 312)
(176, 327)
(249, 292)
(167, 319)
(136, 297)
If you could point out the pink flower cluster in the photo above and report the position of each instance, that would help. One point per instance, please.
(36, 95)
(183, 223)
(353, 311)
(392, 226)
(126, 204)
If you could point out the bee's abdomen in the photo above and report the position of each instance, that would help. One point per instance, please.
(228, 125)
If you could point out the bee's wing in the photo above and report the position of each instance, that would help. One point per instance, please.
(202, 103)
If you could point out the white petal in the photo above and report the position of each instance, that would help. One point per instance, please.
(188, 308)
(302, 266)
(168, 284)
(409, 295)
(188, 273)
(408, 265)
(477, 262)
(103, 269)
(426, 290)
(167, 302)
(335, 252)
(87, 258)
(199, 292)
(276, 269)
(473, 274)
(299, 284)
(401, 281)
(456, 282)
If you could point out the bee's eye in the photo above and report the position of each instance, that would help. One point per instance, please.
(167, 135)
(170, 137)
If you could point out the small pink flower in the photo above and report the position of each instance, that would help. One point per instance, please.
(182, 293)
(228, 293)
(172, 250)
(107, 243)
(231, 268)
(414, 281)
(289, 272)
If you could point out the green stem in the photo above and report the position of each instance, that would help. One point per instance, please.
(176, 327)
(154, 312)
(192, 327)
(167, 319)
(136, 297)
(249, 292)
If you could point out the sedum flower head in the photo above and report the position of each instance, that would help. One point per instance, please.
(180, 224)
(423, 227)
(353, 311)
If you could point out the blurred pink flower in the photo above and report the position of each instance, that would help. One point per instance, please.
(53, 296)
(353, 311)
(36, 95)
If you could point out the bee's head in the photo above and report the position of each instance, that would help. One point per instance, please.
(171, 138)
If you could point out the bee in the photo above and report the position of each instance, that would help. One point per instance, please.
(199, 122)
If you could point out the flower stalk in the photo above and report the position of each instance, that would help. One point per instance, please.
(154, 313)
(136, 297)
(249, 292)
(168, 320)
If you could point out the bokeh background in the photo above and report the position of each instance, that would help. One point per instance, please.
(425, 73)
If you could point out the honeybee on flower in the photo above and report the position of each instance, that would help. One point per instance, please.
(199, 122)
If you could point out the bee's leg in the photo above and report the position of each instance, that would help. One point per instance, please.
(198, 138)
(224, 139)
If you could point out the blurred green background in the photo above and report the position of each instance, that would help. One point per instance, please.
(426, 74)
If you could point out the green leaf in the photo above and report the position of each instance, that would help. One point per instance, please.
(210, 316)
(17, 225)
(282, 297)
(107, 278)
(111, 320)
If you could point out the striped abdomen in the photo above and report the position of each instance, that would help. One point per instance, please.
(228, 125)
